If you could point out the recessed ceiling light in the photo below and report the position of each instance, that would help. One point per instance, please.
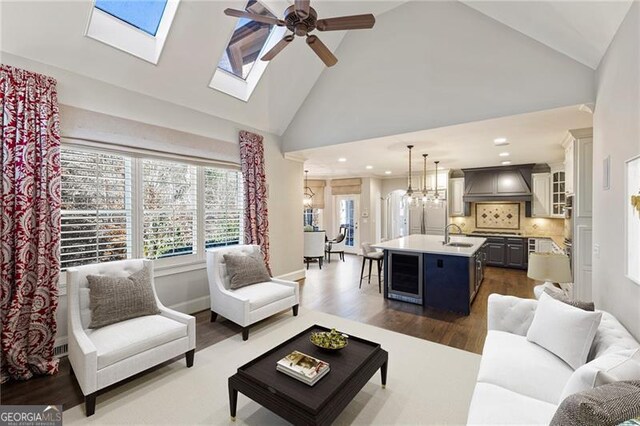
(369, 167)
(500, 141)
(388, 172)
(506, 163)
(342, 159)
(504, 154)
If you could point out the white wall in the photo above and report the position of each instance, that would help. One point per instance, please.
(206, 136)
(616, 134)
(431, 64)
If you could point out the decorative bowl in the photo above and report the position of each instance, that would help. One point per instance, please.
(329, 340)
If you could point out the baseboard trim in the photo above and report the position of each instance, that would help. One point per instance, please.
(293, 276)
(192, 306)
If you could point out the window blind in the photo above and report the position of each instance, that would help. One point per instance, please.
(169, 208)
(223, 204)
(96, 207)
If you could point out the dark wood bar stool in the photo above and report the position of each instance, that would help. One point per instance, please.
(371, 254)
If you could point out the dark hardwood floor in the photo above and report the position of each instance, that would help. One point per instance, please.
(333, 290)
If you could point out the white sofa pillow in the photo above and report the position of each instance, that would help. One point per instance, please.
(617, 366)
(564, 330)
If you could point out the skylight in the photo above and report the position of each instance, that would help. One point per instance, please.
(247, 41)
(240, 68)
(138, 27)
(142, 14)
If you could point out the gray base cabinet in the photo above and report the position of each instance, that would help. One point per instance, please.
(507, 252)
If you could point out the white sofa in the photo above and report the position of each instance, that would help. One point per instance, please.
(250, 304)
(104, 356)
(519, 382)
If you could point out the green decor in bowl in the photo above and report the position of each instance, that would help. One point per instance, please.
(331, 340)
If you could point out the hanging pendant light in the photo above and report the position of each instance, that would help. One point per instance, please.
(409, 193)
(425, 192)
(308, 193)
(436, 195)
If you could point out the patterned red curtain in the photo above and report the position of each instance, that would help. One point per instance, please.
(256, 220)
(30, 219)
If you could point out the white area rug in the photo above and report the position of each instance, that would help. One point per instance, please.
(427, 383)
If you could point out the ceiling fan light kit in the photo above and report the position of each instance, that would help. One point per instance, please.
(301, 19)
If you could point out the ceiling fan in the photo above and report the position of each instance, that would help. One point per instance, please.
(301, 19)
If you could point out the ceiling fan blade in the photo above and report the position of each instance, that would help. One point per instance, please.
(277, 48)
(354, 22)
(322, 51)
(302, 8)
(254, 17)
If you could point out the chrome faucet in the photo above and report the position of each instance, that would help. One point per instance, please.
(447, 237)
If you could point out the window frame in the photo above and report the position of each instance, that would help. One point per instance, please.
(235, 86)
(121, 35)
(168, 265)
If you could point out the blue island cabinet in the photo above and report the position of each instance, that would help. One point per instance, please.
(450, 282)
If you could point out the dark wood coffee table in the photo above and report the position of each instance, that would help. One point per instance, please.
(351, 369)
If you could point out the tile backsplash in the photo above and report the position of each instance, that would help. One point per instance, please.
(526, 225)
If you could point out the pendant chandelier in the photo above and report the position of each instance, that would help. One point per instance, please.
(308, 193)
(409, 194)
(425, 192)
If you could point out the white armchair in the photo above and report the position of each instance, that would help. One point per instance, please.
(104, 356)
(250, 304)
(314, 247)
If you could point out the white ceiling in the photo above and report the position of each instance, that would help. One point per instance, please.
(533, 138)
(581, 30)
(52, 32)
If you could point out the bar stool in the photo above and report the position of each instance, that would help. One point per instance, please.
(371, 254)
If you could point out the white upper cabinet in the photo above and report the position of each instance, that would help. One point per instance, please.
(456, 194)
(541, 194)
(568, 167)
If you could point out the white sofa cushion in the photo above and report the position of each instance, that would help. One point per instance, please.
(495, 405)
(512, 362)
(124, 339)
(611, 337)
(617, 366)
(564, 330)
(263, 294)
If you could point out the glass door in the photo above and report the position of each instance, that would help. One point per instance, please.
(347, 217)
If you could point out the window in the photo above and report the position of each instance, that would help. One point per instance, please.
(138, 27)
(118, 206)
(170, 209)
(96, 207)
(223, 203)
(246, 43)
(142, 14)
(240, 67)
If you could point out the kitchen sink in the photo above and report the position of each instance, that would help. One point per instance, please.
(459, 244)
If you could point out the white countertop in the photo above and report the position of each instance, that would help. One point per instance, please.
(432, 244)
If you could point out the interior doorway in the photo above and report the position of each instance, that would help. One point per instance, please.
(347, 214)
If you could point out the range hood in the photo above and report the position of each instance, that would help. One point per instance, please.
(507, 183)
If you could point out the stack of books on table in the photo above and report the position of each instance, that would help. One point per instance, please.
(303, 367)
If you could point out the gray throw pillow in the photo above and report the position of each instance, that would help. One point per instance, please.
(604, 405)
(585, 306)
(245, 270)
(115, 299)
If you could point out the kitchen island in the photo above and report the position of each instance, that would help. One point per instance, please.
(421, 269)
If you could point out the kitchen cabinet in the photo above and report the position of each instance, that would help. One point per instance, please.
(541, 194)
(443, 180)
(568, 166)
(516, 254)
(558, 193)
(456, 194)
(509, 252)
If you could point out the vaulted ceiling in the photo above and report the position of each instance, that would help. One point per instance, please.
(52, 32)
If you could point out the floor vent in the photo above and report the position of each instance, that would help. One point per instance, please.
(61, 350)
